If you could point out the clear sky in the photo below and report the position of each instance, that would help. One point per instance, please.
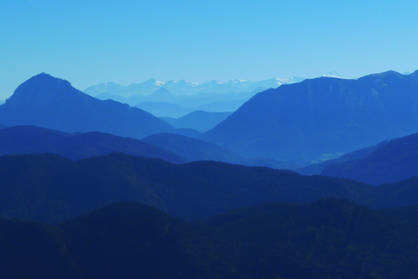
(89, 42)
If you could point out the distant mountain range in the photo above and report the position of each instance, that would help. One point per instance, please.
(182, 87)
(322, 118)
(388, 162)
(327, 239)
(188, 96)
(164, 109)
(198, 120)
(53, 103)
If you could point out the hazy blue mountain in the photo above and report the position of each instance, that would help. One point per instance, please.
(198, 120)
(163, 109)
(182, 87)
(53, 103)
(193, 149)
(327, 239)
(213, 96)
(319, 167)
(321, 117)
(109, 96)
(144, 88)
(187, 132)
(35, 140)
(390, 162)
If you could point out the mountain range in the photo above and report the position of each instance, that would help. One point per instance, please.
(176, 98)
(192, 149)
(53, 103)
(387, 162)
(182, 87)
(93, 189)
(196, 149)
(36, 140)
(318, 168)
(327, 239)
(322, 117)
(175, 148)
(51, 188)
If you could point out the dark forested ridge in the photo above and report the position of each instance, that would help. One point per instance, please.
(327, 239)
(51, 188)
(388, 163)
(36, 140)
(322, 116)
(53, 103)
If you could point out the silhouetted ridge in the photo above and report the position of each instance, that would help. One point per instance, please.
(49, 102)
(321, 118)
(42, 86)
(193, 149)
(331, 238)
(388, 163)
(35, 140)
(54, 188)
(384, 75)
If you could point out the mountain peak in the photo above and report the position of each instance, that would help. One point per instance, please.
(385, 75)
(44, 77)
(41, 86)
(50, 102)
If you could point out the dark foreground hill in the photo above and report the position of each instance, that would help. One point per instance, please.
(327, 239)
(36, 140)
(388, 163)
(322, 116)
(49, 102)
(51, 188)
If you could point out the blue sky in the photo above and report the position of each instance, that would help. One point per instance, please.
(89, 42)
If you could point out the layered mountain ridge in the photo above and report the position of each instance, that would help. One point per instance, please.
(53, 103)
(322, 117)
